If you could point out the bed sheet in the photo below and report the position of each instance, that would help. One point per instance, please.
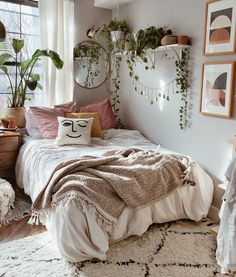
(79, 237)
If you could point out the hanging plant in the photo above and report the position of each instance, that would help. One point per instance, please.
(183, 83)
(115, 88)
(111, 26)
(116, 47)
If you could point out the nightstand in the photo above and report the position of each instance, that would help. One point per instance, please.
(9, 146)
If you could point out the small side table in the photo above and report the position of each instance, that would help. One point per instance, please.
(10, 143)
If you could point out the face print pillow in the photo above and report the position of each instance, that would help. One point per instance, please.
(74, 131)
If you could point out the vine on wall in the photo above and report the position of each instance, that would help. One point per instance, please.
(135, 47)
(183, 83)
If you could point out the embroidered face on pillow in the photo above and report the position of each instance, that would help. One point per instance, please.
(74, 131)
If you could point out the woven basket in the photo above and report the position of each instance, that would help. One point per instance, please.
(169, 39)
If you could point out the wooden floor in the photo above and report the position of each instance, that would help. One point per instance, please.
(19, 229)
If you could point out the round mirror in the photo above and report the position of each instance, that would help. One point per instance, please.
(91, 64)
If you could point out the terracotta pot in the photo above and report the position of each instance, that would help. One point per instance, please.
(18, 114)
(183, 40)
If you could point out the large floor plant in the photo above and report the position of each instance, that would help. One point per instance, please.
(24, 77)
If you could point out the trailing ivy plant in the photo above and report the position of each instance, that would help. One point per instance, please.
(149, 38)
(115, 88)
(115, 47)
(183, 83)
(113, 25)
(91, 52)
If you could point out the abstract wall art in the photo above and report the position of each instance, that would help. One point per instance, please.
(220, 25)
(217, 89)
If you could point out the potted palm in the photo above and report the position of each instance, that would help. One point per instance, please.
(24, 78)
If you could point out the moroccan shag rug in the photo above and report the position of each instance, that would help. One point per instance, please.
(22, 208)
(177, 249)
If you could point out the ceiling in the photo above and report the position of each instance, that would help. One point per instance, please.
(110, 4)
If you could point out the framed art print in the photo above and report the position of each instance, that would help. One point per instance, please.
(217, 89)
(220, 24)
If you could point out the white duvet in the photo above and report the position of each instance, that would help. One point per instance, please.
(74, 227)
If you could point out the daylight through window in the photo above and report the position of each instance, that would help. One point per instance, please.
(21, 22)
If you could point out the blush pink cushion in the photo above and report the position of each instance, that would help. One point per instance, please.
(107, 118)
(69, 106)
(46, 118)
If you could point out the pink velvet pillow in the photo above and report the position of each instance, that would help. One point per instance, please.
(46, 118)
(107, 118)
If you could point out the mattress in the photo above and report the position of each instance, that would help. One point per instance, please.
(79, 237)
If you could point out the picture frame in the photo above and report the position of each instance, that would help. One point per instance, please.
(217, 89)
(220, 27)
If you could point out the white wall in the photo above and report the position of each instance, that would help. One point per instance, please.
(86, 15)
(206, 140)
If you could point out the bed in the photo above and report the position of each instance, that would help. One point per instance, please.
(74, 227)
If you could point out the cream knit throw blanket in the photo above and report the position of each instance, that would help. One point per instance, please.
(129, 177)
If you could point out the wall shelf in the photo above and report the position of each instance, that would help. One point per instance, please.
(176, 48)
(171, 47)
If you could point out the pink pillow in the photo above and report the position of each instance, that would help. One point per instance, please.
(69, 106)
(107, 118)
(46, 118)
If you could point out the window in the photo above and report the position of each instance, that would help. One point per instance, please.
(21, 20)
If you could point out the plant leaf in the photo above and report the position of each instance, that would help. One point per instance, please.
(25, 63)
(5, 58)
(35, 76)
(17, 44)
(56, 59)
(4, 69)
(58, 62)
(31, 84)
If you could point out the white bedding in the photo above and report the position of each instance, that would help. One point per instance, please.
(74, 227)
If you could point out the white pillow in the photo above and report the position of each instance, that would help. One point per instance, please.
(74, 131)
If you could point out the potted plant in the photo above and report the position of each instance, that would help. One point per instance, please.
(4, 121)
(149, 38)
(24, 77)
(114, 30)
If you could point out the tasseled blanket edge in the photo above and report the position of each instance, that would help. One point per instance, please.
(40, 217)
(188, 175)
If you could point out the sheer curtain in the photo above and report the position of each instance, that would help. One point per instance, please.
(57, 33)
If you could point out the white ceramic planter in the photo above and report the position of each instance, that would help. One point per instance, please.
(116, 35)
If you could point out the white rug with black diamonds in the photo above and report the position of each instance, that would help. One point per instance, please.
(178, 249)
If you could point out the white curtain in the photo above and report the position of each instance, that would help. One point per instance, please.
(57, 33)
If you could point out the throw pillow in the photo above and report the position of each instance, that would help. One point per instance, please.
(46, 118)
(74, 131)
(107, 118)
(96, 127)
